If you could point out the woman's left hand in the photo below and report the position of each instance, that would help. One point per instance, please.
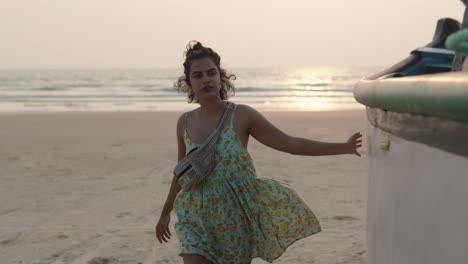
(353, 143)
(163, 234)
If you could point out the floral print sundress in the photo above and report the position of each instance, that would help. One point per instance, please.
(233, 216)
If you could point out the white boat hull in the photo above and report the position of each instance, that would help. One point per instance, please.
(417, 202)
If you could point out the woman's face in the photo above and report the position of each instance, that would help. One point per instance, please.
(204, 78)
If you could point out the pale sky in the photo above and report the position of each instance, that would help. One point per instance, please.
(63, 34)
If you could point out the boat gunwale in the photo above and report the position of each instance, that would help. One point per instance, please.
(443, 95)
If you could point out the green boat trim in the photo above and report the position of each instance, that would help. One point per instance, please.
(443, 95)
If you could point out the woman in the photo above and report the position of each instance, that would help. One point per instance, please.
(233, 216)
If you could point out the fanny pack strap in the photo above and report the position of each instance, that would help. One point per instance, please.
(227, 109)
(201, 163)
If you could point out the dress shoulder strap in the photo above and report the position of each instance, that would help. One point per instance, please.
(185, 121)
(233, 112)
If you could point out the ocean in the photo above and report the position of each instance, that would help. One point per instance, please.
(293, 89)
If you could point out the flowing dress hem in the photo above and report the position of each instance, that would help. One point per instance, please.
(270, 260)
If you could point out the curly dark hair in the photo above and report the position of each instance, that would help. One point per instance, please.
(195, 50)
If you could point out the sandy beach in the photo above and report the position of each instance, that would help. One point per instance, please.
(89, 187)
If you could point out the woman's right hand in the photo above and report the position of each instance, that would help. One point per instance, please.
(162, 228)
(353, 143)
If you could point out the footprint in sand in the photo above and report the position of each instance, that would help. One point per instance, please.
(344, 217)
(122, 214)
(6, 242)
(102, 260)
(61, 236)
(14, 158)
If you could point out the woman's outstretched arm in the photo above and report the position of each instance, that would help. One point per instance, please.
(266, 133)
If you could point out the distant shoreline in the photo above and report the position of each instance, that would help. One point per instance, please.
(112, 107)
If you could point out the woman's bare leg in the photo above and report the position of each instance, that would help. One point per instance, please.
(195, 259)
